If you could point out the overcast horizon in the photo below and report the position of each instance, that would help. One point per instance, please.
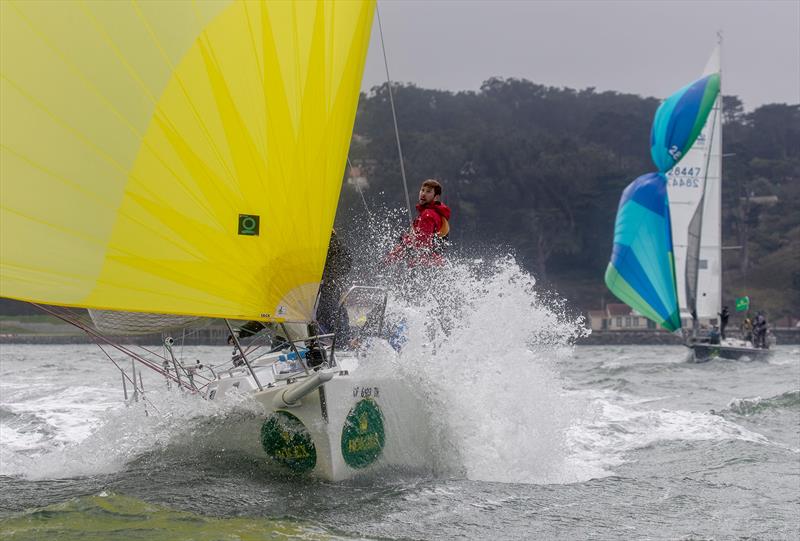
(610, 45)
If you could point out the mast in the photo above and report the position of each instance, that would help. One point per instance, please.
(719, 161)
(709, 286)
(695, 204)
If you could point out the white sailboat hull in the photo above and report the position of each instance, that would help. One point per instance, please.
(354, 423)
(728, 349)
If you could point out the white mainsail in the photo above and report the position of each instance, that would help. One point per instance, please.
(696, 181)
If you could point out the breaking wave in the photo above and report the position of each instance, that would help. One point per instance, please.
(789, 400)
(168, 423)
(481, 345)
(614, 429)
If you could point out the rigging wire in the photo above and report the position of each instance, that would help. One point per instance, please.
(75, 321)
(359, 190)
(394, 114)
(125, 376)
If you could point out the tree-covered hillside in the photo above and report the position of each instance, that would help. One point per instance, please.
(540, 170)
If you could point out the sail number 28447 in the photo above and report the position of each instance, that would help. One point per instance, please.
(688, 177)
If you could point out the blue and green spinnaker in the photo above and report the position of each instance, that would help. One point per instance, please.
(641, 272)
(680, 119)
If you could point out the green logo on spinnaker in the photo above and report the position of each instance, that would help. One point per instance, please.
(363, 436)
(287, 441)
(249, 224)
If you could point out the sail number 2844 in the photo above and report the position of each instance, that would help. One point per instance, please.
(688, 177)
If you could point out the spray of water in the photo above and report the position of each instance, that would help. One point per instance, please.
(119, 434)
(480, 351)
(480, 345)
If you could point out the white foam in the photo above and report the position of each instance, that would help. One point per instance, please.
(496, 403)
(122, 434)
(497, 406)
(617, 427)
(67, 419)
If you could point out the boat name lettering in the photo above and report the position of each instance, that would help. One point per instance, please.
(688, 183)
(292, 452)
(365, 392)
(675, 152)
(685, 171)
(364, 443)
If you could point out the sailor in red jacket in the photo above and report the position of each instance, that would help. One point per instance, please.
(423, 245)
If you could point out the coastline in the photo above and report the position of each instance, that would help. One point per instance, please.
(213, 336)
(784, 337)
(198, 337)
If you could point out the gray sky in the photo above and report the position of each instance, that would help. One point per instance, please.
(650, 48)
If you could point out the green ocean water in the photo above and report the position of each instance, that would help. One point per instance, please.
(115, 517)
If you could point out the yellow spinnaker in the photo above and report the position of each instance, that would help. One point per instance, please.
(141, 141)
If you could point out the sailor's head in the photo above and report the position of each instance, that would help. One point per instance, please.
(430, 191)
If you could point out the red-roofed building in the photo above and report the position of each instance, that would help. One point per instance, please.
(619, 317)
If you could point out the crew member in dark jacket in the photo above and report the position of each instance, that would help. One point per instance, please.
(760, 331)
(330, 315)
(723, 321)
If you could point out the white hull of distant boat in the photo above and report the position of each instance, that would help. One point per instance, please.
(732, 349)
(698, 200)
(332, 423)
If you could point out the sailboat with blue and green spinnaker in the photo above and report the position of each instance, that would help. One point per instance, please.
(642, 271)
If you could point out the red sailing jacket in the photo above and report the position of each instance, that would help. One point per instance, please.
(420, 247)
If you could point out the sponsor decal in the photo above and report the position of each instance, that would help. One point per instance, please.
(287, 441)
(249, 224)
(363, 436)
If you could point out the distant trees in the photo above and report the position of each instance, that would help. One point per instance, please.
(540, 169)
